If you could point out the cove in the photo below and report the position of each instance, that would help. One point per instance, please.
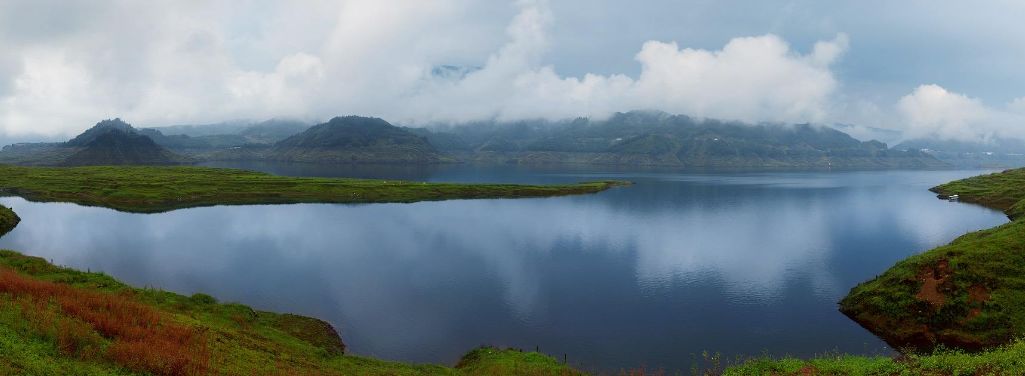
(741, 263)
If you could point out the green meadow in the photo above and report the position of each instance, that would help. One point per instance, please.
(150, 189)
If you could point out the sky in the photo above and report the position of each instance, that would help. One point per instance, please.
(951, 70)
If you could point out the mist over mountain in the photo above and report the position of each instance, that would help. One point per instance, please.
(348, 139)
(654, 138)
(199, 138)
(994, 153)
(267, 131)
(635, 138)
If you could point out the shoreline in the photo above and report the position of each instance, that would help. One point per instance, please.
(8, 220)
(139, 189)
(101, 333)
(962, 295)
(328, 348)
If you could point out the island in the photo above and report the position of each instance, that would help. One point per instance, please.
(152, 189)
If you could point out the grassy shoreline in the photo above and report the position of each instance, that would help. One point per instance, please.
(957, 309)
(56, 320)
(159, 189)
(969, 294)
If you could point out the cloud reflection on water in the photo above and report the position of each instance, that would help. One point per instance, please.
(426, 281)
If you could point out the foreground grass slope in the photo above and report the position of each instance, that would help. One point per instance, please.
(969, 294)
(157, 189)
(1004, 360)
(56, 321)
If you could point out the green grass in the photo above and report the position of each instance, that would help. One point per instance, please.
(158, 189)
(8, 220)
(1002, 191)
(1004, 360)
(968, 294)
(241, 341)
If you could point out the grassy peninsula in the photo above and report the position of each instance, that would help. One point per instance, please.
(150, 189)
(958, 309)
(969, 294)
(8, 220)
(58, 321)
(55, 320)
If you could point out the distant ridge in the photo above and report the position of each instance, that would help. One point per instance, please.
(109, 142)
(655, 138)
(344, 140)
(996, 153)
(635, 138)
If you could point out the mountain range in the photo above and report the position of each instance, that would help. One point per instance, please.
(653, 138)
(636, 138)
(342, 140)
(995, 153)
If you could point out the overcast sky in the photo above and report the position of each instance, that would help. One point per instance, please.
(951, 69)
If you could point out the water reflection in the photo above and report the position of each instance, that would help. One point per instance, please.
(650, 274)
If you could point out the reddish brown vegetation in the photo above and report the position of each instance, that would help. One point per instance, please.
(141, 337)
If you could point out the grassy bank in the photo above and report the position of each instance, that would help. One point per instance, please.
(8, 220)
(1002, 191)
(60, 321)
(157, 189)
(969, 294)
(1004, 360)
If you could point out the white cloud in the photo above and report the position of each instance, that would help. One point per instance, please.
(1017, 106)
(168, 62)
(932, 111)
(171, 62)
(752, 79)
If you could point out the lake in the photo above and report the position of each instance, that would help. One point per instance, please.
(741, 263)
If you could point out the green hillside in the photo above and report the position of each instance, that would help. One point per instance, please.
(968, 294)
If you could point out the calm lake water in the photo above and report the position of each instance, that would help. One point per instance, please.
(652, 274)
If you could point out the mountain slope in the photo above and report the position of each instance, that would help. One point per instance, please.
(660, 139)
(349, 139)
(197, 139)
(996, 153)
(109, 142)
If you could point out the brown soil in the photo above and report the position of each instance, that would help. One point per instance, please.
(978, 294)
(932, 279)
